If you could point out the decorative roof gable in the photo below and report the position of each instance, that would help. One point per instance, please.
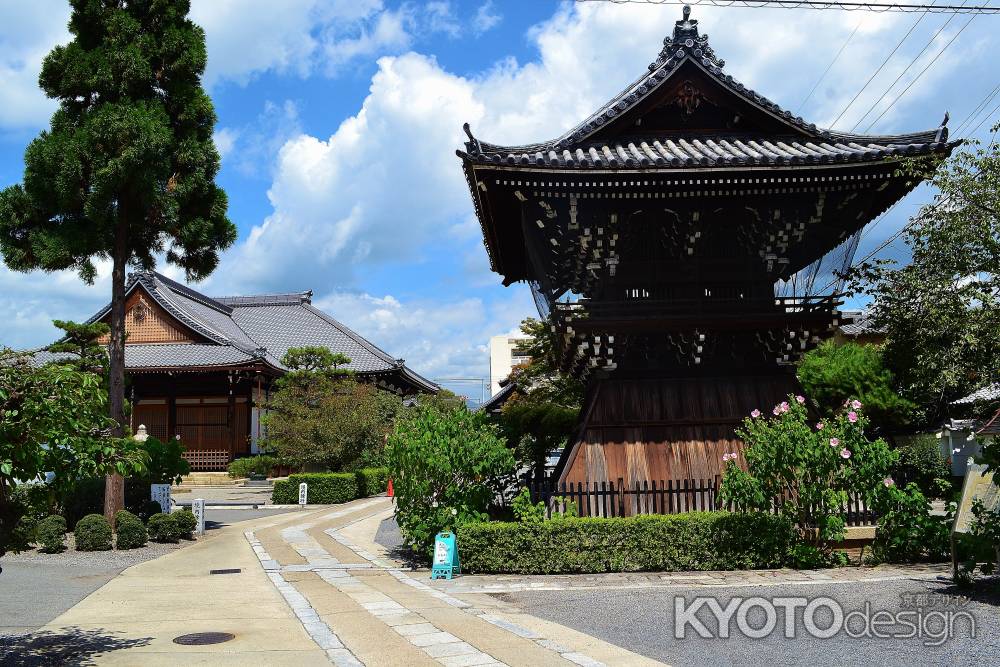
(686, 111)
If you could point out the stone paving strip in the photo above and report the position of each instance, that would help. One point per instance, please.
(475, 584)
(412, 625)
(319, 631)
(484, 615)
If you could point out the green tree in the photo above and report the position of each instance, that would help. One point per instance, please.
(127, 169)
(540, 415)
(53, 418)
(941, 312)
(447, 469)
(321, 417)
(832, 374)
(82, 342)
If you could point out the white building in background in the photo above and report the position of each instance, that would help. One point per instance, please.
(505, 353)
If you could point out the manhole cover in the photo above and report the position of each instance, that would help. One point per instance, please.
(203, 638)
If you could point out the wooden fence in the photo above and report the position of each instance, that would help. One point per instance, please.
(618, 499)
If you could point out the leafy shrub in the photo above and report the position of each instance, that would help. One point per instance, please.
(93, 533)
(148, 509)
(921, 461)
(81, 497)
(253, 465)
(372, 481)
(823, 462)
(166, 466)
(131, 533)
(26, 507)
(163, 528)
(525, 510)
(186, 522)
(693, 541)
(325, 488)
(907, 532)
(835, 373)
(447, 468)
(51, 534)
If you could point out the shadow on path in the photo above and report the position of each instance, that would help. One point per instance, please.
(70, 646)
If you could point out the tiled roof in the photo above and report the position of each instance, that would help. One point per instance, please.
(802, 143)
(860, 323)
(694, 152)
(246, 329)
(990, 392)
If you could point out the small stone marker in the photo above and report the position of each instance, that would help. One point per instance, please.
(446, 563)
(160, 493)
(303, 493)
(198, 509)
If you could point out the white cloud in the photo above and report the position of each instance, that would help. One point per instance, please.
(486, 18)
(28, 31)
(253, 147)
(438, 338)
(30, 301)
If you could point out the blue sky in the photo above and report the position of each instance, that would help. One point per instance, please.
(338, 122)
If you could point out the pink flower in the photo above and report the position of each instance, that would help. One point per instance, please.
(888, 481)
(856, 404)
(784, 406)
(852, 416)
(845, 453)
(776, 411)
(726, 457)
(835, 442)
(800, 399)
(819, 426)
(755, 414)
(732, 455)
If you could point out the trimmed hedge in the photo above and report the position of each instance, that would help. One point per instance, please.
(330, 488)
(51, 534)
(186, 522)
(261, 464)
(372, 481)
(93, 533)
(131, 533)
(678, 542)
(163, 528)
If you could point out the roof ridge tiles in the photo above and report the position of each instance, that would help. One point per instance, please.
(685, 45)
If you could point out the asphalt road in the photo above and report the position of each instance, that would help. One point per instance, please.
(33, 593)
(643, 621)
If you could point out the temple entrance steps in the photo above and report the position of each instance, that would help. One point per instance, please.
(209, 479)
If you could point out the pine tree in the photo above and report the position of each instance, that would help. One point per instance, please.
(127, 169)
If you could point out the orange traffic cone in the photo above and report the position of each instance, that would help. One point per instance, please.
(388, 491)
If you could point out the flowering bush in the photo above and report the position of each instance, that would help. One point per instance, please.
(805, 470)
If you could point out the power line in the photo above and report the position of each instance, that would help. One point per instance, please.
(830, 66)
(821, 4)
(903, 73)
(880, 68)
(917, 77)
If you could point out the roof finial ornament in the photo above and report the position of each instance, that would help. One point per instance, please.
(942, 133)
(686, 28)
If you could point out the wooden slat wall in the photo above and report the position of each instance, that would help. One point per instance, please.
(676, 428)
(154, 417)
(146, 322)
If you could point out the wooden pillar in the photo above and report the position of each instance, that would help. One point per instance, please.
(171, 409)
(231, 419)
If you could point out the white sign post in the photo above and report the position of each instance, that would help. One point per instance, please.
(160, 493)
(303, 493)
(198, 509)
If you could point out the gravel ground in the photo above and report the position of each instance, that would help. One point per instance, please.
(643, 621)
(107, 559)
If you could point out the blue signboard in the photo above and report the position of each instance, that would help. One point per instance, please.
(446, 563)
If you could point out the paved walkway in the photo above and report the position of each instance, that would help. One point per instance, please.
(314, 589)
